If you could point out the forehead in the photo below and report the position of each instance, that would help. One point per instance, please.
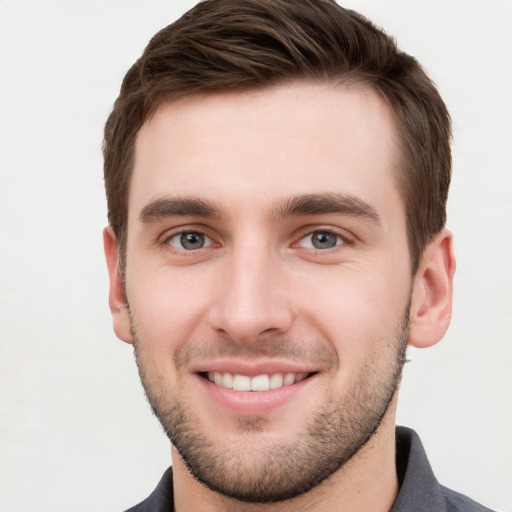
(289, 140)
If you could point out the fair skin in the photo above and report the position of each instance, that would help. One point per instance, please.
(266, 237)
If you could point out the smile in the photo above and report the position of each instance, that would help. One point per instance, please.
(263, 382)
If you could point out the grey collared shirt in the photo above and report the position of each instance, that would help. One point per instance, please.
(419, 489)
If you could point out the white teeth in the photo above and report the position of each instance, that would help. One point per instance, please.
(227, 380)
(241, 383)
(262, 382)
(289, 379)
(276, 381)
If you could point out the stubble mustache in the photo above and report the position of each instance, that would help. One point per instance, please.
(265, 348)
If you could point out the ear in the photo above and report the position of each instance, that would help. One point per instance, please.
(117, 296)
(431, 309)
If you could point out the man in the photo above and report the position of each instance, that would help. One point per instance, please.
(277, 175)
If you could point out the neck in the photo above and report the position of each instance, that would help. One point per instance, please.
(367, 483)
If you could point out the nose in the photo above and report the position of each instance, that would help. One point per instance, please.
(251, 301)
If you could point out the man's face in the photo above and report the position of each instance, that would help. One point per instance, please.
(267, 248)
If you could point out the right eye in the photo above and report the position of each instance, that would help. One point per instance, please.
(189, 241)
(321, 240)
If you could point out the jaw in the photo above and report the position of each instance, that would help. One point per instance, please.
(367, 482)
(252, 447)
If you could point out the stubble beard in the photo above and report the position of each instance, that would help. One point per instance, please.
(265, 472)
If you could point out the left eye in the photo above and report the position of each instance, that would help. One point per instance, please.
(190, 241)
(321, 240)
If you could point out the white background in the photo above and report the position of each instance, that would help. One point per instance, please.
(75, 431)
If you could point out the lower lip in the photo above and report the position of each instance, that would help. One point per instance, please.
(253, 402)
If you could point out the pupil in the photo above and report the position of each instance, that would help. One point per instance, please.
(192, 240)
(324, 240)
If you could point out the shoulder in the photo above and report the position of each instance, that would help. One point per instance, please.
(419, 489)
(456, 502)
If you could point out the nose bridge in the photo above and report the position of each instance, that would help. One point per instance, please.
(250, 299)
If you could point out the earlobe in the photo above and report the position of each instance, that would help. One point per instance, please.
(432, 293)
(117, 296)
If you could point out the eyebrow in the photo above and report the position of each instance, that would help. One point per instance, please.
(318, 204)
(308, 204)
(182, 206)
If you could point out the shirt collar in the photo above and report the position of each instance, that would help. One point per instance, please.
(419, 489)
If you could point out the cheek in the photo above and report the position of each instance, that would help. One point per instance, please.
(357, 311)
(167, 306)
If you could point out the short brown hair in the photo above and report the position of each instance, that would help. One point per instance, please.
(238, 45)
